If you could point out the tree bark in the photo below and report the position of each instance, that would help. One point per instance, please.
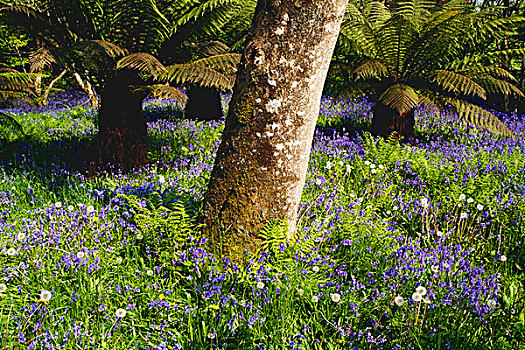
(261, 163)
(88, 89)
(122, 134)
(386, 121)
(204, 103)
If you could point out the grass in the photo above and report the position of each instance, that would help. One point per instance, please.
(413, 245)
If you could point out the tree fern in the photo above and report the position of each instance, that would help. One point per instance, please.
(418, 58)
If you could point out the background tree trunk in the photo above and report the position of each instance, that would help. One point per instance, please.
(386, 121)
(122, 135)
(261, 164)
(204, 103)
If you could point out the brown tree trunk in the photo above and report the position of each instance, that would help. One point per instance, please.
(204, 103)
(386, 121)
(261, 164)
(122, 135)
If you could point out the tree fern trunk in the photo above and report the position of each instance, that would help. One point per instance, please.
(204, 103)
(122, 135)
(261, 164)
(386, 121)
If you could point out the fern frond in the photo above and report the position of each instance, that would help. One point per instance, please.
(164, 91)
(373, 68)
(400, 97)
(225, 63)
(8, 120)
(144, 63)
(198, 74)
(110, 49)
(14, 81)
(456, 83)
(41, 59)
(478, 116)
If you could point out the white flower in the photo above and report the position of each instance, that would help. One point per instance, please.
(3, 287)
(70, 207)
(260, 285)
(80, 255)
(211, 335)
(367, 162)
(399, 300)
(149, 273)
(279, 31)
(503, 258)
(492, 303)
(140, 236)
(120, 313)
(336, 297)
(300, 292)
(417, 297)
(373, 171)
(328, 165)
(21, 236)
(45, 295)
(470, 200)
(435, 268)
(348, 168)
(58, 205)
(439, 233)
(461, 197)
(421, 290)
(162, 179)
(11, 251)
(426, 300)
(479, 207)
(315, 269)
(395, 208)
(90, 209)
(242, 303)
(463, 215)
(119, 260)
(424, 202)
(372, 166)
(272, 82)
(318, 182)
(315, 299)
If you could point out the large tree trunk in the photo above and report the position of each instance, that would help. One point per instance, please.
(204, 103)
(261, 164)
(386, 121)
(122, 135)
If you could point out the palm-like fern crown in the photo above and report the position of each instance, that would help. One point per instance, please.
(90, 34)
(413, 56)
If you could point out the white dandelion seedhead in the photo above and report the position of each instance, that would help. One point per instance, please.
(58, 205)
(11, 252)
(461, 197)
(81, 254)
(470, 200)
(421, 290)
(492, 304)
(120, 313)
(479, 207)
(315, 299)
(118, 260)
(463, 215)
(162, 179)
(315, 269)
(149, 273)
(424, 202)
(503, 258)
(90, 209)
(45, 295)
(3, 287)
(417, 297)
(435, 268)
(21, 236)
(260, 285)
(300, 292)
(211, 335)
(399, 301)
(336, 297)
